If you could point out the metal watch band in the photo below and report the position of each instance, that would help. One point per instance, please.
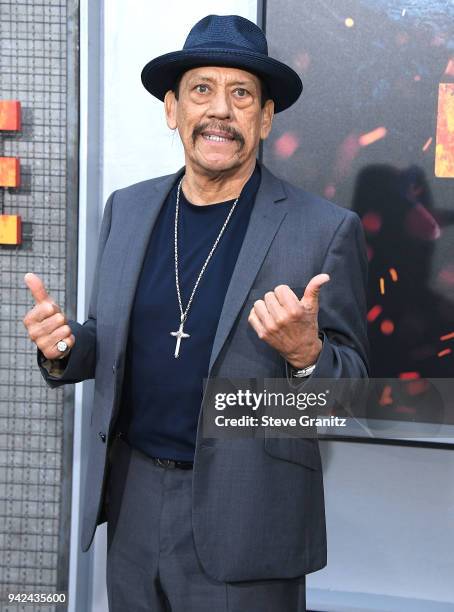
(307, 371)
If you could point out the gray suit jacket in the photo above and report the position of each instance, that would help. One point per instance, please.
(258, 505)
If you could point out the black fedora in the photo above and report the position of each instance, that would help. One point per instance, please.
(228, 40)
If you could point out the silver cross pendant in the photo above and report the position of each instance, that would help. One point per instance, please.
(179, 335)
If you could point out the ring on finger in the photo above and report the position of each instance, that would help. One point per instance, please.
(62, 346)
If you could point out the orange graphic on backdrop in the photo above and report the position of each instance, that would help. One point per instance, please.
(10, 229)
(9, 172)
(444, 150)
(10, 117)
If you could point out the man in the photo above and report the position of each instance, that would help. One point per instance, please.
(198, 276)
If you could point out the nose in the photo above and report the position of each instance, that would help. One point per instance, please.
(220, 105)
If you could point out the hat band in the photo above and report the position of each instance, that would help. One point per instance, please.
(225, 46)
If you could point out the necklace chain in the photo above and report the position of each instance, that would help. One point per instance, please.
(184, 313)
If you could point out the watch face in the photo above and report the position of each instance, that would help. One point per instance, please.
(303, 372)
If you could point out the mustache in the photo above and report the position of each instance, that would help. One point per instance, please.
(228, 129)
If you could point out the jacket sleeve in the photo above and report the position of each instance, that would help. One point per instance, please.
(342, 317)
(80, 364)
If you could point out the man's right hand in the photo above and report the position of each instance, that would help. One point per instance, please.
(45, 322)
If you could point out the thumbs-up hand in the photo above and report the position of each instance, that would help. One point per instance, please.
(290, 324)
(45, 322)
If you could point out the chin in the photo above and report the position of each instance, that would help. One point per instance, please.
(219, 166)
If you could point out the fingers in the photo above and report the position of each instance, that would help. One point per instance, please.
(70, 341)
(263, 315)
(46, 326)
(282, 306)
(311, 294)
(54, 353)
(277, 308)
(48, 344)
(255, 323)
(45, 322)
(36, 286)
(45, 307)
(40, 312)
(274, 307)
(288, 299)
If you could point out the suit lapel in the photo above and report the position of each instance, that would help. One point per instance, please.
(266, 217)
(139, 224)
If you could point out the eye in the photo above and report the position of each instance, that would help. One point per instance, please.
(240, 92)
(202, 88)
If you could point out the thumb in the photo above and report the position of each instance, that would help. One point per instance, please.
(36, 286)
(311, 293)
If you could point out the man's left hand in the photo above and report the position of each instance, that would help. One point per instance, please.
(290, 324)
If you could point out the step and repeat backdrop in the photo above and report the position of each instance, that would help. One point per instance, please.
(374, 132)
(38, 233)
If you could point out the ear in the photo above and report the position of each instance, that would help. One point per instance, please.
(170, 106)
(267, 119)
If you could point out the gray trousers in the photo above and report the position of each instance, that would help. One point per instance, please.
(152, 565)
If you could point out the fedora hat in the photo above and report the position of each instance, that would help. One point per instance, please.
(228, 40)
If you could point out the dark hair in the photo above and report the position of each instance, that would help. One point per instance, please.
(264, 91)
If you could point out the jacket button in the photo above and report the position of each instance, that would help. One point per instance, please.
(113, 368)
(102, 435)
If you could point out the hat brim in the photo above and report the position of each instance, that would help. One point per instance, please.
(284, 84)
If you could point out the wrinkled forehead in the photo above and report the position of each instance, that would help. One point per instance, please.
(221, 75)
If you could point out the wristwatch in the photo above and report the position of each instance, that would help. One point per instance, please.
(307, 371)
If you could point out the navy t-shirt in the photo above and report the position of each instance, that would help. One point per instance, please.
(162, 394)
